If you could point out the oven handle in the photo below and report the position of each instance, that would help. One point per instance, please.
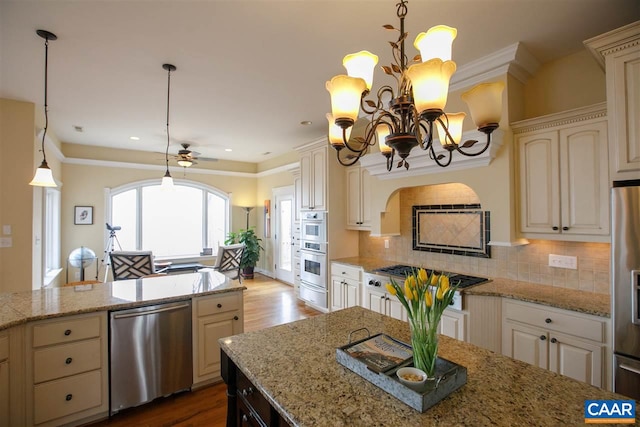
(312, 286)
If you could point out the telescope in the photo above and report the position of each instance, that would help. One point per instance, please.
(113, 228)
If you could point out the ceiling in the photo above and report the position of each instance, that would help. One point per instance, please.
(248, 71)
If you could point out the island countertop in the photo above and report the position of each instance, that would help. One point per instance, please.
(294, 366)
(20, 307)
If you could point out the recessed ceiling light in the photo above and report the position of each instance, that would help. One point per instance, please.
(306, 122)
(134, 138)
(266, 153)
(228, 149)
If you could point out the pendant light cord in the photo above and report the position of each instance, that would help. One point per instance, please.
(46, 108)
(166, 156)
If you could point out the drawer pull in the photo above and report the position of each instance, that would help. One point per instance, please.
(69, 397)
(547, 320)
(543, 337)
(68, 361)
(235, 318)
(247, 391)
(553, 340)
(67, 332)
(219, 305)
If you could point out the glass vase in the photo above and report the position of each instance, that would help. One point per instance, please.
(424, 340)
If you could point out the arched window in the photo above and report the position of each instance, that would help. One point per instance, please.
(176, 223)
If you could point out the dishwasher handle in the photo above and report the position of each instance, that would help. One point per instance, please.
(156, 311)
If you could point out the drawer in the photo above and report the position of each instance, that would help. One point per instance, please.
(218, 304)
(4, 347)
(345, 271)
(254, 398)
(68, 330)
(66, 359)
(556, 320)
(67, 396)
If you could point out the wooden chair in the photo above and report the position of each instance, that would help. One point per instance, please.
(82, 282)
(132, 264)
(228, 261)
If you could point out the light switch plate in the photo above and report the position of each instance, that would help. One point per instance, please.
(386, 244)
(6, 242)
(563, 261)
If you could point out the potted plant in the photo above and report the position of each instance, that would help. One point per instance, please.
(252, 249)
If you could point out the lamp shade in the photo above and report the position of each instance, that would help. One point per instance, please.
(185, 163)
(455, 128)
(436, 43)
(485, 103)
(345, 96)
(430, 81)
(335, 132)
(361, 65)
(167, 182)
(43, 177)
(382, 132)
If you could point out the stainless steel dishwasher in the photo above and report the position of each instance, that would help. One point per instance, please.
(150, 353)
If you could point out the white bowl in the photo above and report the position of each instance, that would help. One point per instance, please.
(415, 372)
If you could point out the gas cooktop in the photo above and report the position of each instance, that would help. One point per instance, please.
(402, 271)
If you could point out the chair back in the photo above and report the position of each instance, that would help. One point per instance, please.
(131, 264)
(228, 260)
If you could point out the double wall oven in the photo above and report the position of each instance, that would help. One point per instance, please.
(313, 259)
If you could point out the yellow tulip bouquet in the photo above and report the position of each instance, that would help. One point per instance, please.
(425, 298)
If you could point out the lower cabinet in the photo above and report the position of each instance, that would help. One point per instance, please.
(453, 324)
(568, 343)
(214, 317)
(384, 303)
(345, 286)
(67, 370)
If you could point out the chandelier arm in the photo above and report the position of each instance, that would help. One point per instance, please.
(168, 138)
(379, 103)
(343, 163)
(488, 142)
(389, 157)
(428, 141)
(436, 159)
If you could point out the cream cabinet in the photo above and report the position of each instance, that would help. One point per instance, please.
(453, 324)
(313, 179)
(4, 375)
(214, 317)
(618, 51)
(297, 195)
(568, 343)
(358, 198)
(67, 370)
(564, 175)
(345, 286)
(376, 299)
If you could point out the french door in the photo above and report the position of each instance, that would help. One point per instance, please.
(283, 235)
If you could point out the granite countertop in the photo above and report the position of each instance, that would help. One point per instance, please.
(21, 307)
(568, 299)
(294, 366)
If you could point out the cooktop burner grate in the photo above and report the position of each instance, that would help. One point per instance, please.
(401, 270)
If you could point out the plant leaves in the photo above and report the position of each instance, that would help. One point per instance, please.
(370, 103)
(469, 143)
(387, 70)
(388, 27)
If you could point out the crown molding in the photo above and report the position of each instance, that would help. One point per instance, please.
(575, 115)
(613, 41)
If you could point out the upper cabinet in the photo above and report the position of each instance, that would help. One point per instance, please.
(619, 52)
(564, 175)
(313, 180)
(358, 203)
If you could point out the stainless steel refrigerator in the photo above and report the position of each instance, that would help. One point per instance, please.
(625, 279)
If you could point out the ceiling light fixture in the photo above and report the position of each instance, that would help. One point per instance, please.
(43, 176)
(419, 105)
(185, 163)
(167, 180)
(134, 138)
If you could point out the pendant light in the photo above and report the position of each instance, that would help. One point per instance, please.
(43, 176)
(167, 180)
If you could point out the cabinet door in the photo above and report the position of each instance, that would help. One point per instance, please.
(576, 359)
(210, 329)
(584, 174)
(539, 183)
(526, 344)
(306, 177)
(350, 293)
(4, 390)
(395, 308)
(319, 179)
(375, 302)
(365, 198)
(452, 324)
(337, 293)
(354, 218)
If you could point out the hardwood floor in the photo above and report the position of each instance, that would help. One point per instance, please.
(266, 303)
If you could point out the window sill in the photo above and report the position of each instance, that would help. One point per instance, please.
(50, 277)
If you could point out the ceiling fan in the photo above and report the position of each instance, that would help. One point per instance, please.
(186, 157)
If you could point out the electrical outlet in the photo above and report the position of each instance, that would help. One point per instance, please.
(386, 244)
(563, 261)
(6, 242)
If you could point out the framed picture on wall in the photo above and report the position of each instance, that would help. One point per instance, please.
(83, 215)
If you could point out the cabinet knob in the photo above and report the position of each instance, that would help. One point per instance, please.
(565, 228)
(245, 419)
(68, 397)
(247, 391)
(219, 305)
(547, 320)
(553, 340)
(235, 317)
(67, 332)
(543, 337)
(68, 361)
(555, 228)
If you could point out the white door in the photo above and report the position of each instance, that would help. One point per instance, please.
(283, 235)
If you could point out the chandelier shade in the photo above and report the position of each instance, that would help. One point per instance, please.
(43, 176)
(408, 116)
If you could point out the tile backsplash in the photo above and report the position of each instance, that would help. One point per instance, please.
(527, 263)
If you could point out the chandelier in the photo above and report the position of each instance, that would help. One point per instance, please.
(415, 108)
(167, 180)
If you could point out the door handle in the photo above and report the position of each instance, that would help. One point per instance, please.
(144, 313)
(630, 369)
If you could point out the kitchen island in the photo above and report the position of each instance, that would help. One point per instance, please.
(289, 374)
